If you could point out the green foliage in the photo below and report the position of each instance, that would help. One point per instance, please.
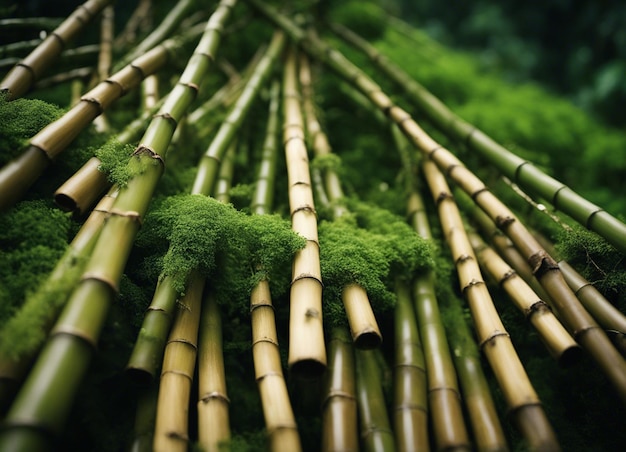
(364, 18)
(20, 120)
(222, 243)
(327, 162)
(370, 248)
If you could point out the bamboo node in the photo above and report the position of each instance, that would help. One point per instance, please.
(541, 262)
(167, 117)
(337, 393)
(58, 38)
(492, 337)
(411, 407)
(508, 275)
(519, 169)
(463, 258)
(265, 339)
(131, 214)
(76, 333)
(442, 196)
(206, 398)
(192, 86)
(433, 150)
(93, 100)
(590, 217)
(472, 283)
(28, 69)
(375, 429)
(504, 222)
(183, 341)
(271, 373)
(537, 306)
(145, 150)
(478, 192)
(305, 207)
(266, 304)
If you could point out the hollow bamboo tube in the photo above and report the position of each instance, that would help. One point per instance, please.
(213, 402)
(23, 75)
(47, 395)
(307, 350)
(495, 342)
(376, 433)
(339, 408)
(179, 361)
(605, 313)
(363, 324)
(79, 193)
(410, 387)
(279, 418)
(555, 337)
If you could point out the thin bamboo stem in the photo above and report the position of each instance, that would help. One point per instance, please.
(307, 350)
(43, 404)
(23, 75)
(553, 334)
(172, 422)
(521, 398)
(410, 386)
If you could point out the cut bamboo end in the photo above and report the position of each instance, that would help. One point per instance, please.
(307, 350)
(363, 325)
(82, 190)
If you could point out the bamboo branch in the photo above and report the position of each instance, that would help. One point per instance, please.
(22, 77)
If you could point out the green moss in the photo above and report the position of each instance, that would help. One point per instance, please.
(114, 157)
(20, 120)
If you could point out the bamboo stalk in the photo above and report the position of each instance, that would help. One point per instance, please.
(104, 58)
(140, 20)
(307, 351)
(605, 313)
(210, 160)
(363, 325)
(339, 407)
(553, 334)
(376, 433)
(410, 386)
(42, 405)
(23, 75)
(521, 399)
(17, 176)
(79, 192)
(179, 361)
(521, 171)
(213, 402)
(145, 418)
(586, 331)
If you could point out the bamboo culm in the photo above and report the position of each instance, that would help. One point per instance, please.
(44, 401)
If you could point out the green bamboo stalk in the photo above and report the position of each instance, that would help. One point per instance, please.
(145, 418)
(104, 59)
(307, 350)
(361, 319)
(339, 407)
(376, 433)
(17, 48)
(22, 77)
(148, 348)
(586, 331)
(210, 160)
(553, 334)
(161, 32)
(443, 392)
(43, 404)
(17, 176)
(517, 389)
(410, 385)
(76, 56)
(521, 171)
(179, 361)
(16, 358)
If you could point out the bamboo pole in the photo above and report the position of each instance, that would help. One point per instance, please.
(339, 407)
(172, 421)
(213, 402)
(280, 422)
(557, 340)
(43, 404)
(410, 386)
(17, 176)
(376, 433)
(105, 56)
(585, 330)
(24, 74)
(521, 171)
(307, 351)
(361, 319)
(522, 401)
(78, 193)
(149, 345)
(16, 358)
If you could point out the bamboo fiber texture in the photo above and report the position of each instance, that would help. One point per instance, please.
(307, 350)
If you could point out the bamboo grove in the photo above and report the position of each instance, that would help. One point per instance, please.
(236, 226)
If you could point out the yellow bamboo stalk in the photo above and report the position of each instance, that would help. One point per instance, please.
(521, 399)
(557, 340)
(24, 74)
(280, 422)
(307, 350)
(213, 402)
(179, 361)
